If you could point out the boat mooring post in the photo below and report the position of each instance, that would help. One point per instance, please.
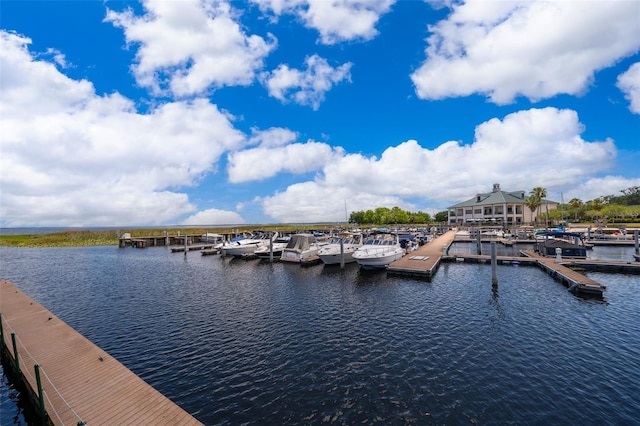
(479, 242)
(43, 413)
(635, 238)
(15, 353)
(271, 249)
(494, 264)
(341, 253)
(1, 335)
(185, 246)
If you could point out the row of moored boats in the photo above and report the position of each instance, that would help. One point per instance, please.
(376, 249)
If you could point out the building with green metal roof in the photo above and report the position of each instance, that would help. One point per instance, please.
(496, 207)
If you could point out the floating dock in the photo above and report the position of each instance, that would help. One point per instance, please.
(424, 261)
(572, 279)
(71, 380)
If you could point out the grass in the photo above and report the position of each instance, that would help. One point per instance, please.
(100, 238)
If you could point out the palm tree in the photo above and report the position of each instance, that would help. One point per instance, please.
(533, 203)
(575, 204)
(539, 193)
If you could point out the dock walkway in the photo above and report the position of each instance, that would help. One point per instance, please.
(573, 279)
(423, 262)
(81, 383)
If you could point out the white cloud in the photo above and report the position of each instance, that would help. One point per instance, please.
(263, 162)
(335, 20)
(536, 49)
(537, 147)
(305, 87)
(600, 186)
(71, 157)
(314, 202)
(214, 217)
(273, 137)
(190, 46)
(629, 83)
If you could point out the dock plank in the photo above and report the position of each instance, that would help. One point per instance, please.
(567, 275)
(99, 391)
(424, 261)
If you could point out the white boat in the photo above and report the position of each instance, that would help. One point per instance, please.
(302, 248)
(279, 244)
(379, 250)
(330, 254)
(210, 238)
(247, 246)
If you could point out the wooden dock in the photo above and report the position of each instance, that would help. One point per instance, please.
(81, 384)
(567, 276)
(423, 262)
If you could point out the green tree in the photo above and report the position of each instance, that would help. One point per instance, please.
(382, 215)
(369, 217)
(539, 193)
(576, 205)
(442, 216)
(533, 203)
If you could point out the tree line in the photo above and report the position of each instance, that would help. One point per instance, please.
(388, 216)
(611, 208)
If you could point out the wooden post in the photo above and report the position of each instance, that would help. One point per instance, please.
(479, 242)
(1, 335)
(15, 353)
(494, 264)
(43, 413)
(342, 253)
(635, 238)
(185, 245)
(271, 249)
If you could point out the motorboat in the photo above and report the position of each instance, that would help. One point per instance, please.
(379, 250)
(277, 247)
(332, 253)
(302, 248)
(216, 240)
(570, 244)
(247, 246)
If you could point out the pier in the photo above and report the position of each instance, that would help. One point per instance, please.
(70, 379)
(424, 261)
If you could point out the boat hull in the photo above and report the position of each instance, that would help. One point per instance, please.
(375, 258)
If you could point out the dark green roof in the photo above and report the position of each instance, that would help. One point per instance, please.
(490, 198)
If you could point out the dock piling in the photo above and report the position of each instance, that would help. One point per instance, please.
(1, 335)
(43, 412)
(341, 253)
(635, 239)
(15, 353)
(494, 264)
(271, 250)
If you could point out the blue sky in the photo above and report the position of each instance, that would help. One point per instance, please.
(202, 112)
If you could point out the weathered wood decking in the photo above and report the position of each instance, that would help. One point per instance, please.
(423, 262)
(81, 382)
(573, 279)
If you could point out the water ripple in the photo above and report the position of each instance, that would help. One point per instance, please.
(249, 342)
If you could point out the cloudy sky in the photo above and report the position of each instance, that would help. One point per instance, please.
(204, 112)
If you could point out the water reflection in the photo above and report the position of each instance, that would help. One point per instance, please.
(236, 341)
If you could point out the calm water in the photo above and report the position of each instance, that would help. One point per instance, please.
(234, 341)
